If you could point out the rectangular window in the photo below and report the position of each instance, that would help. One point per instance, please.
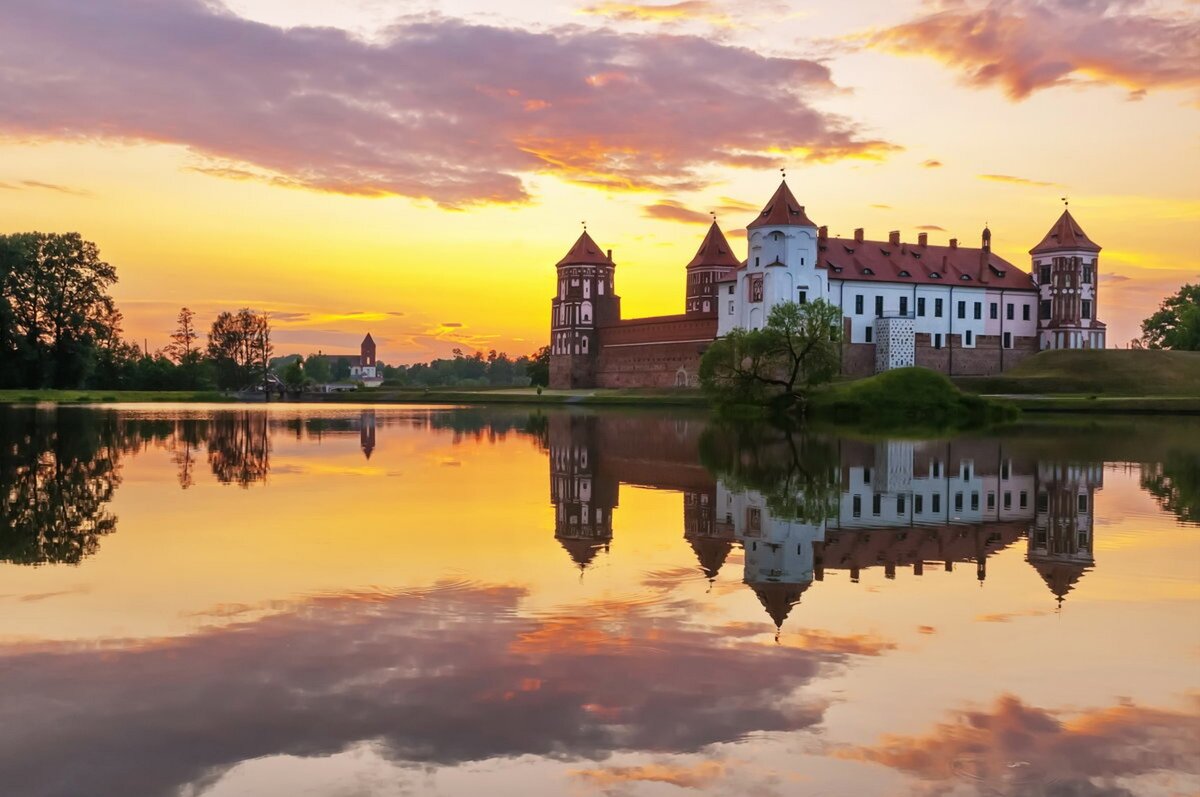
(878, 306)
(856, 505)
(1087, 274)
(900, 505)
(974, 502)
(958, 502)
(802, 298)
(962, 309)
(1083, 503)
(937, 469)
(1008, 340)
(921, 306)
(1008, 313)
(866, 475)
(978, 311)
(937, 308)
(1044, 310)
(1086, 308)
(876, 504)
(1024, 499)
(1043, 502)
(1005, 470)
(919, 504)
(858, 304)
(969, 340)
(903, 305)
(731, 308)
(936, 501)
(731, 290)
(994, 311)
(1024, 312)
(1007, 500)
(937, 340)
(991, 501)
(1044, 277)
(870, 335)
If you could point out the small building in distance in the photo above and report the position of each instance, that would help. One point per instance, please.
(364, 367)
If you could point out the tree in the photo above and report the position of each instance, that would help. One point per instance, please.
(1176, 325)
(54, 290)
(341, 369)
(539, 367)
(240, 347)
(779, 364)
(293, 376)
(182, 347)
(317, 369)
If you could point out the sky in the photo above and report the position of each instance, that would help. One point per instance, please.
(415, 169)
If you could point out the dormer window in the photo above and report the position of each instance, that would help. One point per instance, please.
(885, 252)
(905, 274)
(849, 249)
(868, 272)
(965, 277)
(933, 275)
(917, 255)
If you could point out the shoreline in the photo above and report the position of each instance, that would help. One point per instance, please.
(691, 399)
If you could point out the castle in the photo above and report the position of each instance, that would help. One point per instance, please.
(956, 309)
(363, 366)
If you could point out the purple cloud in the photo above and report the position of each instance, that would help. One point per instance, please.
(442, 109)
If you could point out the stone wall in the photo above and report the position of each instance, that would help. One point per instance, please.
(661, 352)
(985, 358)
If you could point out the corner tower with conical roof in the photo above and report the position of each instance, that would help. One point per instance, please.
(781, 265)
(585, 301)
(714, 262)
(1066, 269)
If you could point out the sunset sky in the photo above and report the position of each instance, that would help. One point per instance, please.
(415, 169)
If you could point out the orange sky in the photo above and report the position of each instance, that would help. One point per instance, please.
(415, 169)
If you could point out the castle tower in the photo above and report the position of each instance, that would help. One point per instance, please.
(585, 300)
(368, 352)
(781, 265)
(583, 498)
(1061, 545)
(714, 261)
(1065, 267)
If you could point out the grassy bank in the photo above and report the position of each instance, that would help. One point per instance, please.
(907, 398)
(598, 397)
(1102, 372)
(110, 396)
(1117, 405)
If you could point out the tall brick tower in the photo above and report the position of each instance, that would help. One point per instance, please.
(1065, 266)
(585, 300)
(584, 497)
(714, 261)
(368, 352)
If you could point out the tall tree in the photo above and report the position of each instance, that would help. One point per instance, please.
(240, 347)
(182, 347)
(316, 367)
(796, 351)
(55, 288)
(1176, 325)
(538, 368)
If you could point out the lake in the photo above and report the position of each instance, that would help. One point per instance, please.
(297, 600)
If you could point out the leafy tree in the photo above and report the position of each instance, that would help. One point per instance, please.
(779, 364)
(1175, 483)
(239, 345)
(538, 368)
(293, 376)
(1176, 325)
(182, 348)
(54, 289)
(341, 369)
(317, 369)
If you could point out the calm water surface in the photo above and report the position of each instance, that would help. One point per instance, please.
(361, 602)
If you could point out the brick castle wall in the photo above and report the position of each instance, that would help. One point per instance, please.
(984, 359)
(662, 351)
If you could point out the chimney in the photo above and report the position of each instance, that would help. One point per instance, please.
(894, 237)
(953, 243)
(858, 235)
(610, 254)
(822, 233)
(923, 239)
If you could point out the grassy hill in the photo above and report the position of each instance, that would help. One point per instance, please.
(1105, 372)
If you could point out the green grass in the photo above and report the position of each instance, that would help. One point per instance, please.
(109, 396)
(1099, 372)
(907, 398)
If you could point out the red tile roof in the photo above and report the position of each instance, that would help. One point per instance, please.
(782, 210)
(714, 250)
(1066, 234)
(585, 252)
(881, 261)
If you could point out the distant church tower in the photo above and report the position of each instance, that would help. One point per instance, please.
(1066, 269)
(714, 261)
(585, 300)
(368, 352)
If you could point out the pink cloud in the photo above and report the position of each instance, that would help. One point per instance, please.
(1023, 46)
(443, 109)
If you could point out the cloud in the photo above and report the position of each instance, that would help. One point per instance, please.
(881, 206)
(1110, 277)
(1008, 617)
(670, 210)
(931, 228)
(452, 324)
(669, 13)
(441, 108)
(1008, 178)
(1023, 46)
(1014, 748)
(37, 184)
(441, 676)
(932, 164)
(697, 776)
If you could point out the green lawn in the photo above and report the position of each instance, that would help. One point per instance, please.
(1099, 372)
(109, 396)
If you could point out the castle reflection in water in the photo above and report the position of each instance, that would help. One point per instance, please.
(891, 505)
